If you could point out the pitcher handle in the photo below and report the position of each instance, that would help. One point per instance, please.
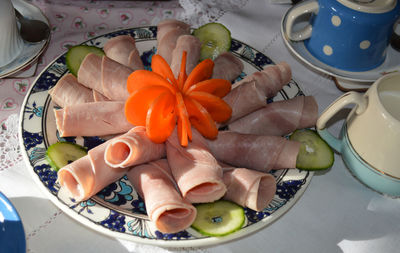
(351, 97)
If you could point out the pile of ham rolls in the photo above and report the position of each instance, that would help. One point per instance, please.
(171, 178)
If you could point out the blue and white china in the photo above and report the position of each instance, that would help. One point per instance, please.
(117, 210)
(351, 35)
(12, 235)
(366, 78)
(370, 137)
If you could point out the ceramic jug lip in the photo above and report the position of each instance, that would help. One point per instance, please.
(377, 89)
(366, 164)
(370, 6)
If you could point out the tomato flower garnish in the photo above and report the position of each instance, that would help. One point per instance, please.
(160, 102)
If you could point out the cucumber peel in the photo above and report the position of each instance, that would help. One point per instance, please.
(218, 218)
(61, 154)
(315, 153)
(215, 38)
(76, 54)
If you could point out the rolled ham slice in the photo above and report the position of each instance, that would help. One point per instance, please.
(227, 66)
(167, 25)
(252, 92)
(257, 152)
(113, 79)
(164, 204)
(168, 32)
(92, 119)
(98, 97)
(196, 172)
(192, 46)
(244, 99)
(122, 49)
(279, 118)
(89, 73)
(249, 188)
(68, 91)
(104, 76)
(88, 175)
(132, 148)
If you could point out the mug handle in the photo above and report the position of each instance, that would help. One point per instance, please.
(395, 39)
(296, 12)
(351, 97)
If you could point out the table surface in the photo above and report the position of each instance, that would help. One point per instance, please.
(336, 213)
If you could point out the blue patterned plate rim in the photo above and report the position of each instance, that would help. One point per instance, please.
(116, 210)
(12, 235)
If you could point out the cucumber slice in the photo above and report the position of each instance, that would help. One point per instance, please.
(76, 54)
(218, 218)
(215, 39)
(315, 153)
(62, 153)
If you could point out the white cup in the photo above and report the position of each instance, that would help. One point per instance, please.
(11, 42)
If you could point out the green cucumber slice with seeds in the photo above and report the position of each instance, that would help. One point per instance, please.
(215, 39)
(315, 153)
(76, 54)
(61, 154)
(218, 218)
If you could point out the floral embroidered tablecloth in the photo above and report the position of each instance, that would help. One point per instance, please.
(73, 22)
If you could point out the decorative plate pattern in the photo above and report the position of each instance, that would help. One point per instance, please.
(117, 210)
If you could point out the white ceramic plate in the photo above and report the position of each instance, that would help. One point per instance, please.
(117, 210)
(391, 64)
(30, 52)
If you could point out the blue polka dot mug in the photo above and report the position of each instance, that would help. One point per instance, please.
(351, 35)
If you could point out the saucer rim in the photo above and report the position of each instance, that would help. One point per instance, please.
(34, 56)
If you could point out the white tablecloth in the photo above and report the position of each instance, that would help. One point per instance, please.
(335, 214)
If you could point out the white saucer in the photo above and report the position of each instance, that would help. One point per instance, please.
(391, 64)
(29, 52)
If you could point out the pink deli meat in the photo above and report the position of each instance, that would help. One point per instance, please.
(105, 76)
(92, 119)
(196, 172)
(167, 25)
(88, 175)
(164, 204)
(252, 92)
(258, 152)
(133, 148)
(192, 46)
(89, 73)
(113, 79)
(122, 49)
(279, 118)
(168, 32)
(98, 97)
(227, 66)
(68, 91)
(249, 188)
